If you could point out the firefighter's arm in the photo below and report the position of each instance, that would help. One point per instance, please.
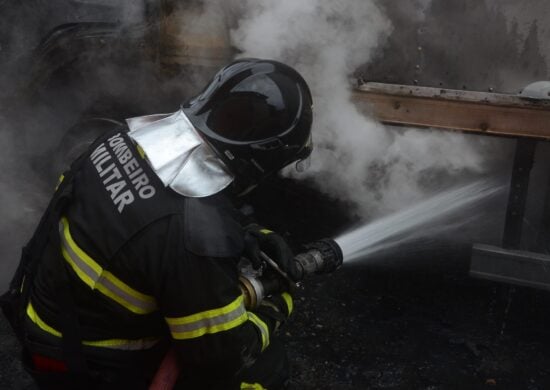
(199, 295)
(212, 330)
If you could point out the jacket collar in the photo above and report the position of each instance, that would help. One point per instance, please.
(178, 154)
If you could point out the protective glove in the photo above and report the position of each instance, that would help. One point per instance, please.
(273, 245)
(276, 309)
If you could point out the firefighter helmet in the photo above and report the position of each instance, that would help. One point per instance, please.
(256, 115)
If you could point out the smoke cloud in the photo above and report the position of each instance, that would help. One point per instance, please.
(22, 197)
(356, 159)
(33, 120)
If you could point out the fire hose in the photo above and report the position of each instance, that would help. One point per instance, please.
(320, 257)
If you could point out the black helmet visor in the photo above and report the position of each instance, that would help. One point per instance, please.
(256, 108)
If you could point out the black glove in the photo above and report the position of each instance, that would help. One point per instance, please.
(273, 245)
(276, 309)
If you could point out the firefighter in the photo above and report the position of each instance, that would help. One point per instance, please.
(138, 250)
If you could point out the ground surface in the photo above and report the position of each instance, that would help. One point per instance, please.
(418, 330)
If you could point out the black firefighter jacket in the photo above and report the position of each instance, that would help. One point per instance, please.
(146, 265)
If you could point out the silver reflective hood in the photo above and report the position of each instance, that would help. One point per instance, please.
(178, 155)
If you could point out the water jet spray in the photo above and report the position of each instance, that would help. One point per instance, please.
(327, 255)
(431, 216)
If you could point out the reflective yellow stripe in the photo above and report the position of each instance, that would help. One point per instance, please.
(208, 322)
(38, 321)
(99, 279)
(262, 326)
(127, 345)
(289, 302)
(61, 178)
(140, 151)
(252, 386)
(104, 285)
(266, 231)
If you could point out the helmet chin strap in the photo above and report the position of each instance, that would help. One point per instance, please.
(247, 190)
(242, 185)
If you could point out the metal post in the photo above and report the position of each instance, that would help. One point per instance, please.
(544, 234)
(523, 162)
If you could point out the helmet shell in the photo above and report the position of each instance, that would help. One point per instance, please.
(256, 114)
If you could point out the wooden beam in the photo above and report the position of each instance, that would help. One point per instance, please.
(479, 112)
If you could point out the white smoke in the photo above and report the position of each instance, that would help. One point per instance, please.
(22, 197)
(356, 158)
(30, 133)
